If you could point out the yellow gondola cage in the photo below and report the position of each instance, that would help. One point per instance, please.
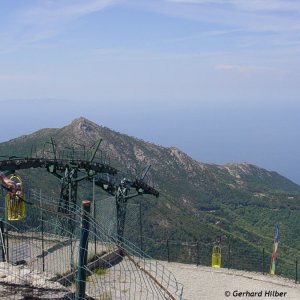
(216, 257)
(15, 204)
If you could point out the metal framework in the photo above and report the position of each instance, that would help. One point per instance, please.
(123, 190)
(71, 166)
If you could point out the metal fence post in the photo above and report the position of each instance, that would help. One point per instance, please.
(94, 215)
(263, 261)
(198, 254)
(229, 254)
(5, 231)
(7, 240)
(2, 240)
(168, 251)
(71, 232)
(83, 251)
(141, 227)
(42, 231)
(296, 273)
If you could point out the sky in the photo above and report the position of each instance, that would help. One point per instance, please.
(218, 79)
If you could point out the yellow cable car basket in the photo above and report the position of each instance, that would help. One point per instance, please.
(15, 204)
(216, 257)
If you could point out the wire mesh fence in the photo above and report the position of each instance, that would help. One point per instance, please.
(232, 258)
(42, 257)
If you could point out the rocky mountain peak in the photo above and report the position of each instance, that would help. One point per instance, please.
(84, 125)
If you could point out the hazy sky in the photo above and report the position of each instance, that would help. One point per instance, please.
(219, 79)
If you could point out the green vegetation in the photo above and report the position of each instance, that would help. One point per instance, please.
(100, 271)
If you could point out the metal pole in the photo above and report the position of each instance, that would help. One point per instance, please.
(71, 232)
(296, 274)
(4, 256)
(2, 240)
(83, 250)
(42, 220)
(263, 261)
(198, 254)
(229, 254)
(6, 235)
(94, 215)
(168, 251)
(141, 228)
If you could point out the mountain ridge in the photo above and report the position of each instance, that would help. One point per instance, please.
(82, 125)
(198, 201)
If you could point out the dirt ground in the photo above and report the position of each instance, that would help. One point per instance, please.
(205, 283)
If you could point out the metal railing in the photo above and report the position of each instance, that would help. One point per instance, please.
(44, 258)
